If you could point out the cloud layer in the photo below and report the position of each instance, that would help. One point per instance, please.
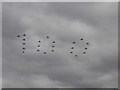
(64, 22)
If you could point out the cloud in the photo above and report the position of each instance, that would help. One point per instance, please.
(64, 23)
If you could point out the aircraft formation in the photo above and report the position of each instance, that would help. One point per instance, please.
(71, 49)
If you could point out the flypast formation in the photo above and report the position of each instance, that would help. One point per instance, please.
(40, 42)
(23, 49)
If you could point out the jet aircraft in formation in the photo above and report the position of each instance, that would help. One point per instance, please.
(53, 46)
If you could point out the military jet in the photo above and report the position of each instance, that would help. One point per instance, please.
(38, 50)
(81, 39)
(18, 36)
(72, 47)
(71, 52)
(84, 52)
(53, 46)
(52, 50)
(53, 41)
(48, 37)
(24, 34)
(76, 55)
(44, 52)
(73, 42)
(23, 43)
(87, 43)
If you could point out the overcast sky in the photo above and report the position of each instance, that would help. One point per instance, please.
(64, 22)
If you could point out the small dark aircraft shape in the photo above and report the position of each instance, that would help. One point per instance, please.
(48, 37)
(18, 36)
(24, 34)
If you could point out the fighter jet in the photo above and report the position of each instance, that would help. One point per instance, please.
(73, 42)
(24, 34)
(71, 52)
(87, 43)
(72, 47)
(84, 52)
(44, 52)
(52, 50)
(38, 50)
(48, 37)
(81, 39)
(23, 43)
(18, 36)
(53, 46)
(76, 55)
(53, 41)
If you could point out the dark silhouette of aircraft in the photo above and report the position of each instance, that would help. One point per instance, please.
(76, 55)
(81, 38)
(38, 50)
(84, 52)
(39, 41)
(23, 51)
(38, 45)
(23, 43)
(44, 52)
(71, 52)
(23, 39)
(24, 34)
(87, 43)
(52, 50)
(85, 48)
(23, 48)
(72, 47)
(18, 36)
(48, 37)
(53, 41)
(73, 42)
(53, 46)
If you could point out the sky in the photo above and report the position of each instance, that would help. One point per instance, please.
(64, 22)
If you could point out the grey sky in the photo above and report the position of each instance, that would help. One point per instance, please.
(64, 22)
